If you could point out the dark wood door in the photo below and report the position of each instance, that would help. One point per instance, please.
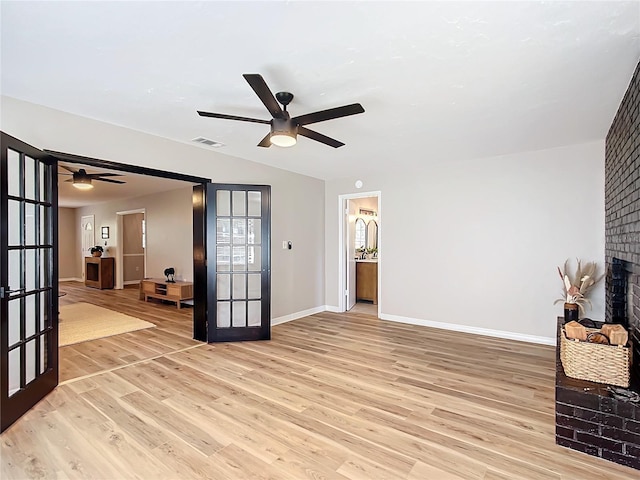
(237, 256)
(28, 278)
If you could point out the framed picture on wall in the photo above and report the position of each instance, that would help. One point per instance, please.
(105, 232)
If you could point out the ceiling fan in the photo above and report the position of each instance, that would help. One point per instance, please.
(82, 180)
(285, 129)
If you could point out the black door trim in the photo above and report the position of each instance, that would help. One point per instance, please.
(200, 263)
(123, 167)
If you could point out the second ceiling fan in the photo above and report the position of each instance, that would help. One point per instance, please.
(284, 128)
(83, 180)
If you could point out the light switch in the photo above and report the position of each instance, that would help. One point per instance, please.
(284, 245)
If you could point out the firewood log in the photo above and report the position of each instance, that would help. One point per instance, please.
(616, 333)
(575, 330)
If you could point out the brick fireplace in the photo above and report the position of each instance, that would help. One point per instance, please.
(588, 417)
(622, 216)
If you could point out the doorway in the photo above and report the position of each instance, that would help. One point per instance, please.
(360, 256)
(131, 234)
(87, 223)
(111, 227)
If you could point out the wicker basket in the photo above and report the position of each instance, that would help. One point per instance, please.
(594, 361)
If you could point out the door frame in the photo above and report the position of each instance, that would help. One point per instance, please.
(199, 220)
(119, 235)
(343, 224)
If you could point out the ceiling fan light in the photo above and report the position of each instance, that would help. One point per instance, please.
(283, 139)
(82, 183)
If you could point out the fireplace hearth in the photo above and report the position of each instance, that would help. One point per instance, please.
(591, 420)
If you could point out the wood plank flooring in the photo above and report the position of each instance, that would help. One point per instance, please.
(333, 396)
(173, 331)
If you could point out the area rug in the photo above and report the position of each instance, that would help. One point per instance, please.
(80, 322)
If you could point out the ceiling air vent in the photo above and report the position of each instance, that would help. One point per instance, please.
(206, 141)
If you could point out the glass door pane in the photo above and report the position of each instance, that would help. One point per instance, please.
(242, 269)
(28, 286)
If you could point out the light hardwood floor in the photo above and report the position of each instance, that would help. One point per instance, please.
(365, 307)
(335, 396)
(173, 331)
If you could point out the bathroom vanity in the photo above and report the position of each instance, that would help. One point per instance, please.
(367, 280)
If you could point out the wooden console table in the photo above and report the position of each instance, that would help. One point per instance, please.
(163, 290)
(99, 272)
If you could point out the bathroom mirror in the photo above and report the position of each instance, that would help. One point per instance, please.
(372, 234)
(361, 234)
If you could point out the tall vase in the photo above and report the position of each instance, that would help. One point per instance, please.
(570, 312)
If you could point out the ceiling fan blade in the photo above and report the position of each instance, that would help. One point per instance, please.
(266, 141)
(98, 175)
(108, 180)
(259, 86)
(305, 132)
(329, 114)
(66, 168)
(70, 180)
(231, 117)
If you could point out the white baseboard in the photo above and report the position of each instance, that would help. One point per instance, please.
(70, 280)
(332, 309)
(519, 337)
(132, 282)
(297, 315)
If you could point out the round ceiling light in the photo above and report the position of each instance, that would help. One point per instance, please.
(82, 183)
(283, 139)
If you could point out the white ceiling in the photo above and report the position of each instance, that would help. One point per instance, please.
(439, 81)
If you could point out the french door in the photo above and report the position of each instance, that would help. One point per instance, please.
(237, 260)
(28, 278)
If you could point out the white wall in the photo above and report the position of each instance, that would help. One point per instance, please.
(476, 244)
(169, 227)
(69, 266)
(472, 244)
(297, 201)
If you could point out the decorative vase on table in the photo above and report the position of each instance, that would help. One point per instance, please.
(570, 312)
